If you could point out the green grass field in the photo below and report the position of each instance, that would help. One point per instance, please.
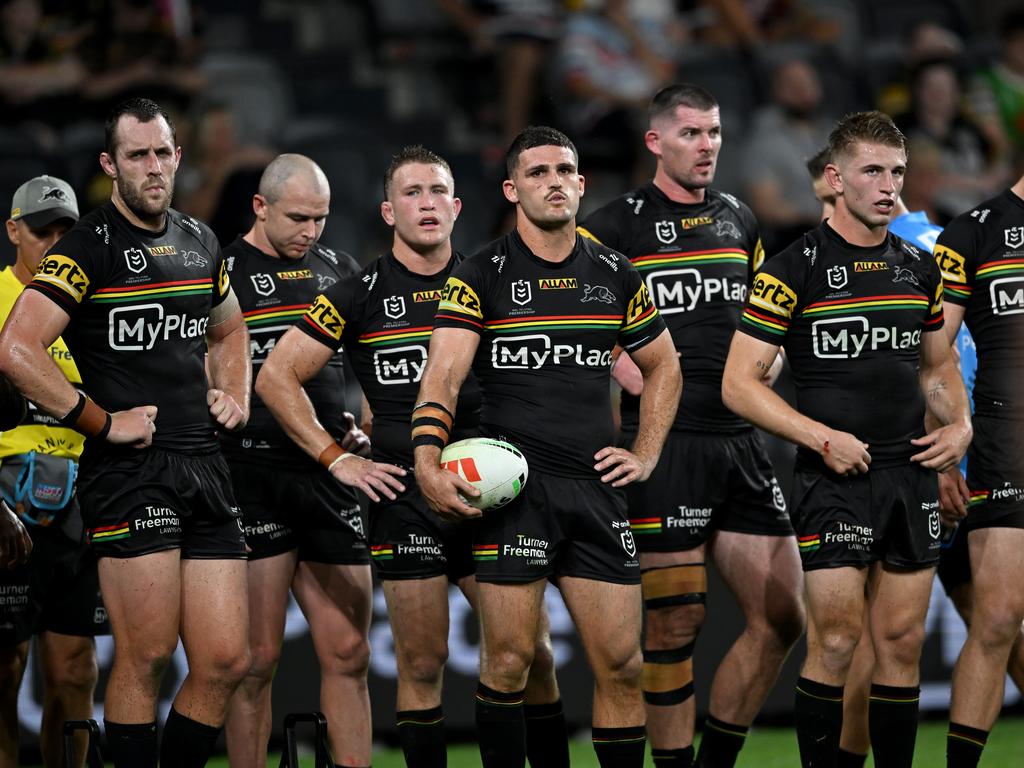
(766, 748)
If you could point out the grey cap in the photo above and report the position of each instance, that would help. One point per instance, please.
(43, 200)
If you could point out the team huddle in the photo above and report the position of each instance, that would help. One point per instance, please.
(222, 466)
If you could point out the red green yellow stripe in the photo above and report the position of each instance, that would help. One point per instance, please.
(1001, 267)
(775, 325)
(978, 497)
(286, 313)
(866, 304)
(109, 532)
(809, 543)
(387, 338)
(485, 551)
(645, 524)
(681, 258)
(554, 322)
(172, 289)
(382, 552)
(643, 319)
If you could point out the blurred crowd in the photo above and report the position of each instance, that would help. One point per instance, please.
(348, 83)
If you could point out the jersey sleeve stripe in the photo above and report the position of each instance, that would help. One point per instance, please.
(459, 319)
(588, 234)
(771, 325)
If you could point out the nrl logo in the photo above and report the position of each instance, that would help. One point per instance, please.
(836, 277)
(193, 259)
(1014, 237)
(665, 231)
(628, 543)
(135, 259)
(521, 292)
(263, 283)
(394, 306)
(727, 229)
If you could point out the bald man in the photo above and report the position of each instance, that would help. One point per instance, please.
(302, 527)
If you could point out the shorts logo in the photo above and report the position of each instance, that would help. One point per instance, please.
(1014, 237)
(628, 543)
(324, 316)
(557, 284)
(65, 274)
(665, 232)
(836, 277)
(135, 259)
(1007, 294)
(858, 537)
(727, 229)
(772, 294)
(456, 296)
(394, 306)
(809, 543)
(597, 293)
(421, 297)
(99, 616)
(263, 283)
(193, 259)
(778, 498)
(933, 524)
(521, 292)
(400, 365)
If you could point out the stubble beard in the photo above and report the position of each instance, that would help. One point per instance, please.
(137, 204)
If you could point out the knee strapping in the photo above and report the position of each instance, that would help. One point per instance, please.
(675, 585)
(668, 676)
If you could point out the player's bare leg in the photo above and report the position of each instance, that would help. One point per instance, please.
(672, 629)
(997, 559)
(608, 618)
(69, 679)
(855, 739)
(248, 724)
(963, 600)
(12, 670)
(337, 603)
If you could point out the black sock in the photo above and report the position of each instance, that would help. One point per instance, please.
(964, 745)
(892, 722)
(620, 747)
(850, 759)
(547, 739)
(500, 728)
(673, 758)
(819, 722)
(186, 743)
(421, 732)
(721, 743)
(132, 746)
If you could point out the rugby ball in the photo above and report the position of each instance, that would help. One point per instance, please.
(495, 467)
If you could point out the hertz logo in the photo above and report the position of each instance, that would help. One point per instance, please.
(556, 284)
(459, 297)
(325, 317)
(162, 250)
(951, 264)
(63, 273)
(772, 294)
(421, 297)
(298, 274)
(870, 266)
(696, 221)
(223, 281)
(638, 304)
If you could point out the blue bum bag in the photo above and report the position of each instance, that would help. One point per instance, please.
(38, 486)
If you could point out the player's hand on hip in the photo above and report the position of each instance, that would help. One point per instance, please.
(225, 409)
(15, 543)
(943, 447)
(844, 454)
(446, 493)
(621, 467)
(354, 440)
(953, 496)
(134, 427)
(371, 477)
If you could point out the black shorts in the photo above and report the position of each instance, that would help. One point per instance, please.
(409, 541)
(57, 590)
(309, 511)
(889, 514)
(558, 526)
(703, 483)
(994, 474)
(954, 559)
(136, 502)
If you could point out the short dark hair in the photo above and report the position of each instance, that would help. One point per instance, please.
(142, 110)
(536, 136)
(874, 127)
(413, 153)
(670, 97)
(817, 162)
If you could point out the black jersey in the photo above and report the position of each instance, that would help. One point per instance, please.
(697, 262)
(140, 303)
(384, 316)
(273, 294)
(851, 320)
(547, 333)
(981, 255)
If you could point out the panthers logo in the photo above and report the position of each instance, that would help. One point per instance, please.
(597, 293)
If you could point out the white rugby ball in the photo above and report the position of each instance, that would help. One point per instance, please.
(495, 467)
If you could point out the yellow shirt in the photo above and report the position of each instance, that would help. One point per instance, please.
(47, 437)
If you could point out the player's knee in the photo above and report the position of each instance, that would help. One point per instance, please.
(785, 622)
(543, 658)
(265, 657)
(997, 626)
(675, 626)
(347, 658)
(423, 665)
(509, 662)
(674, 599)
(148, 661)
(621, 667)
(76, 675)
(838, 642)
(667, 677)
(223, 667)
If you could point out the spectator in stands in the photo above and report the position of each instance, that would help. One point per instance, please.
(785, 134)
(998, 91)
(749, 23)
(925, 41)
(955, 165)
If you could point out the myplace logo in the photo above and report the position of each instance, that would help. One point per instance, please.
(845, 338)
(139, 328)
(534, 351)
(1007, 294)
(400, 365)
(681, 290)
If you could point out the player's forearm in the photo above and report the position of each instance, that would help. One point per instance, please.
(750, 399)
(659, 400)
(282, 392)
(945, 395)
(230, 365)
(33, 371)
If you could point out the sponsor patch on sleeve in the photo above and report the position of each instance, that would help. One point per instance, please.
(64, 274)
(323, 316)
(773, 295)
(952, 264)
(223, 280)
(459, 297)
